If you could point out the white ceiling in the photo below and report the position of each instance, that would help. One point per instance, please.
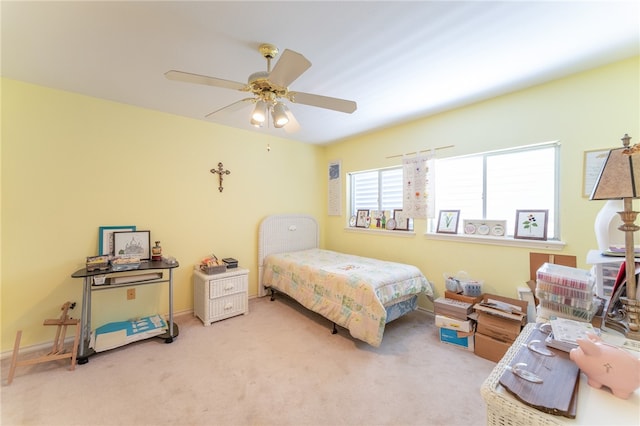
(397, 60)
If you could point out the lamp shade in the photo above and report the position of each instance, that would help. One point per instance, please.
(255, 123)
(280, 117)
(259, 114)
(619, 177)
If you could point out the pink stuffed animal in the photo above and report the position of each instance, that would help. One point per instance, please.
(607, 365)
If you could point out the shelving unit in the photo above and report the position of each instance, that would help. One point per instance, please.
(150, 267)
(605, 269)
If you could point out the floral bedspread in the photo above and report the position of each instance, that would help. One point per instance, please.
(351, 291)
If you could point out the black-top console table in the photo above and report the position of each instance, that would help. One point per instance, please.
(84, 351)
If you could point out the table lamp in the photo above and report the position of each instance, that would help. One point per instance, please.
(619, 179)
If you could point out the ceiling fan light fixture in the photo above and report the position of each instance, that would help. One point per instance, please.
(267, 87)
(280, 117)
(259, 114)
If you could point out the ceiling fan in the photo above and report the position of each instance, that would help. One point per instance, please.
(269, 89)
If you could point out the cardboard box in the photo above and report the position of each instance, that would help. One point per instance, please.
(498, 328)
(461, 297)
(500, 325)
(522, 304)
(457, 338)
(454, 323)
(489, 348)
(452, 308)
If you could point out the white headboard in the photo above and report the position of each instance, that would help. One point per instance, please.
(282, 233)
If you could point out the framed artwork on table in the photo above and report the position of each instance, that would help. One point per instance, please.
(362, 219)
(531, 224)
(105, 237)
(448, 221)
(402, 220)
(132, 244)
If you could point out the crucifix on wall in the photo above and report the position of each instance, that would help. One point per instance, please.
(220, 171)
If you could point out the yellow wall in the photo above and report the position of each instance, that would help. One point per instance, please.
(587, 111)
(72, 163)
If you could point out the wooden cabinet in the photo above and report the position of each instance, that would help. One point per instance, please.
(220, 296)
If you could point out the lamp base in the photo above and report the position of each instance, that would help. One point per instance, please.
(632, 311)
(626, 319)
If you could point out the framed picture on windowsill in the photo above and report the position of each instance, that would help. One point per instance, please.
(402, 220)
(448, 221)
(531, 224)
(362, 219)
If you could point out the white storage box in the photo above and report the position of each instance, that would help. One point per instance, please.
(454, 324)
(457, 338)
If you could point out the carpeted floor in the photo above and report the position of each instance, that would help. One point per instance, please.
(278, 365)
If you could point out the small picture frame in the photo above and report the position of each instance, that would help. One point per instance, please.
(105, 238)
(402, 220)
(448, 221)
(361, 219)
(531, 224)
(132, 244)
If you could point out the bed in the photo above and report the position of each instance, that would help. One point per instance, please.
(358, 293)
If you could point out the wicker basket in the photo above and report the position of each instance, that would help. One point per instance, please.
(211, 270)
(502, 408)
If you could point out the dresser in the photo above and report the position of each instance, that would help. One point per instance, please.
(220, 296)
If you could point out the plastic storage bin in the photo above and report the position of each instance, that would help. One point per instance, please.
(461, 283)
(566, 291)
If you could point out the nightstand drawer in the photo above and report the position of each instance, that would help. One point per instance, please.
(227, 286)
(228, 306)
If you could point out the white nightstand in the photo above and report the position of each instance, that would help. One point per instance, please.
(220, 296)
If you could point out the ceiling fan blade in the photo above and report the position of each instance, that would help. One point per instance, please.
(236, 106)
(335, 104)
(188, 77)
(290, 66)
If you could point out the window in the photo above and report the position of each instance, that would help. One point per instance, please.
(379, 190)
(494, 185)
